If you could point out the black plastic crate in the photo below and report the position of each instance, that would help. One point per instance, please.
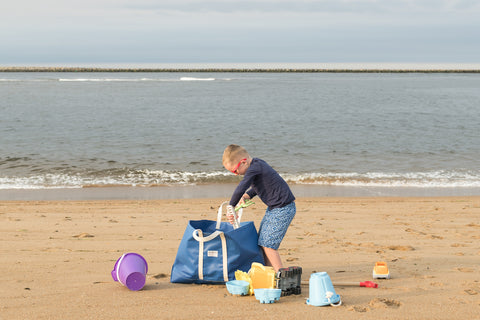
(289, 280)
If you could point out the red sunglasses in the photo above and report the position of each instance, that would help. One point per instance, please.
(234, 170)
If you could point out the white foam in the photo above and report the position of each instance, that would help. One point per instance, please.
(110, 79)
(131, 178)
(134, 79)
(434, 179)
(196, 79)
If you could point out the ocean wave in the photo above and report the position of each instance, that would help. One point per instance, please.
(143, 178)
(433, 179)
(196, 79)
(117, 80)
(147, 178)
(102, 80)
(145, 79)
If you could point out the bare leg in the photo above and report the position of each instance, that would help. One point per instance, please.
(272, 258)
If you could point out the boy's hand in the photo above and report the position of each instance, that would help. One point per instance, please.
(243, 198)
(231, 214)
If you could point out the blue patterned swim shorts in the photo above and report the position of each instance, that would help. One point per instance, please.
(274, 225)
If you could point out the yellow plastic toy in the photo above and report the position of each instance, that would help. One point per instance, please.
(241, 275)
(380, 271)
(262, 277)
(259, 277)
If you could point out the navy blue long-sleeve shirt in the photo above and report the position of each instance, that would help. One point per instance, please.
(262, 180)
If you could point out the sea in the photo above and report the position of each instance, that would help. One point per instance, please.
(336, 133)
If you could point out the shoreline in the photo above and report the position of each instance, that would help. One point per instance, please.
(208, 191)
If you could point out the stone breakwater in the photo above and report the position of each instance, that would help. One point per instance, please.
(232, 70)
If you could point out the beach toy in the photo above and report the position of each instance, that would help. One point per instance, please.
(238, 287)
(380, 271)
(130, 270)
(267, 295)
(366, 284)
(290, 280)
(322, 292)
(244, 205)
(262, 277)
(242, 275)
(231, 212)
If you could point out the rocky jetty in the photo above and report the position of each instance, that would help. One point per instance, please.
(232, 70)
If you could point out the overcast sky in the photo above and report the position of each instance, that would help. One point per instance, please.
(182, 31)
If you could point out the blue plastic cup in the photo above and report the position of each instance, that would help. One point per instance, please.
(321, 291)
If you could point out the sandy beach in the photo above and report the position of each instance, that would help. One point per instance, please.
(57, 257)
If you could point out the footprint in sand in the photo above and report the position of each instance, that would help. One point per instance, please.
(472, 288)
(471, 292)
(401, 248)
(377, 303)
(474, 225)
(421, 233)
(359, 308)
(83, 235)
(410, 230)
(437, 284)
(384, 303)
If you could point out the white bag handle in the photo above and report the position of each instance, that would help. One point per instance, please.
(220, 213)
(198, 235)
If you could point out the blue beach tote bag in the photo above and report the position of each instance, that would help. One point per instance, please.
(211, 251)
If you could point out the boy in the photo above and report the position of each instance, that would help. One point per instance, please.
(262, 180)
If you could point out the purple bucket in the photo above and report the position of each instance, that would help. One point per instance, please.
(130, 270)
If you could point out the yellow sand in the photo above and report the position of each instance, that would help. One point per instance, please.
(56, 258)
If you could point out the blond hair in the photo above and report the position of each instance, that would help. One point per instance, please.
(234, 153)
